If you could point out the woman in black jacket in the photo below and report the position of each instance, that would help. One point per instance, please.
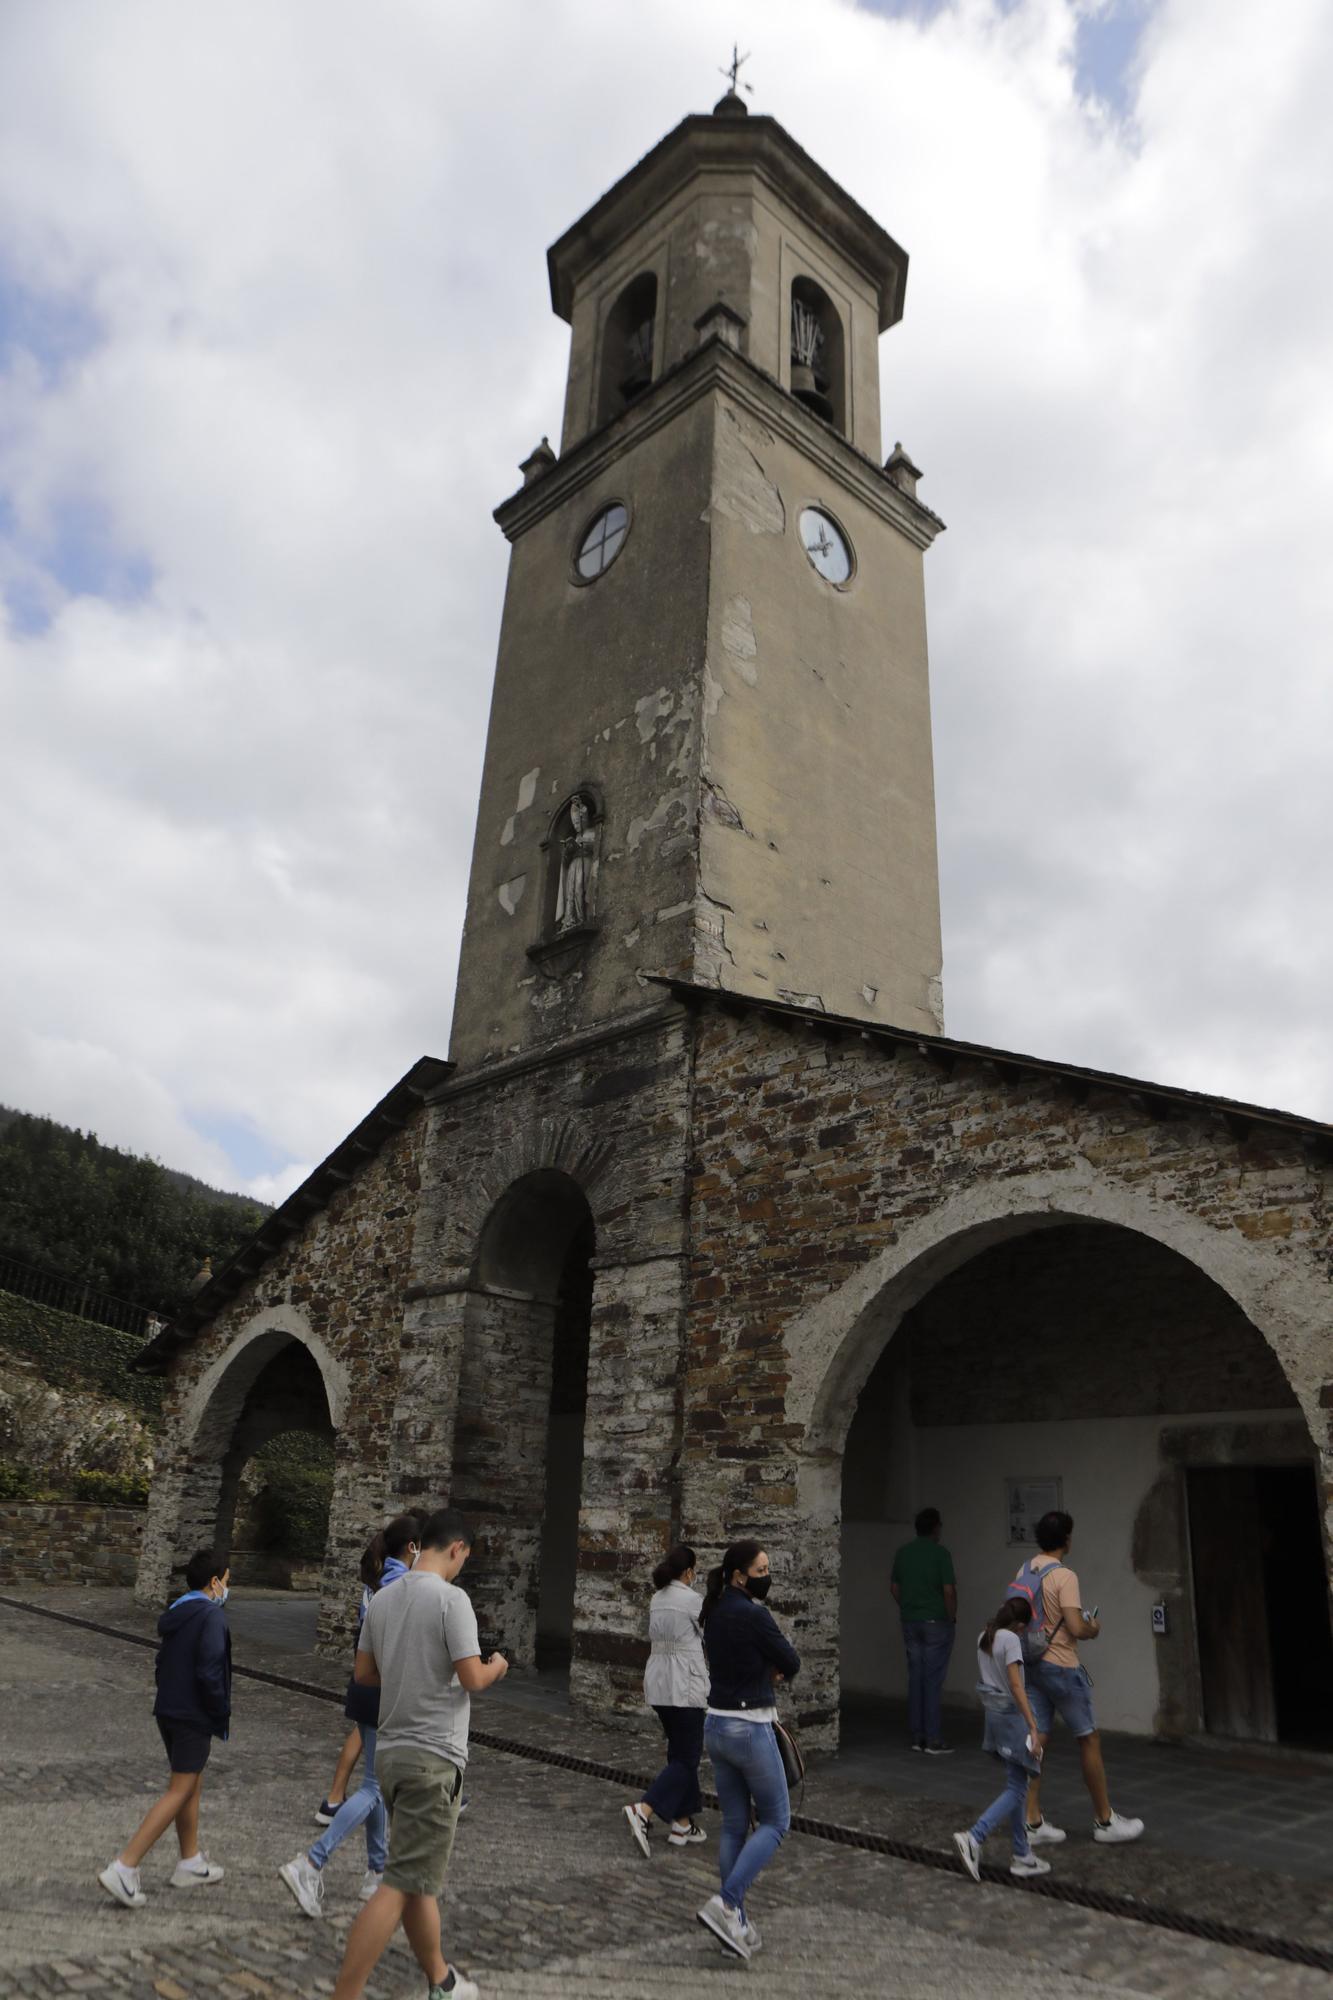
(746, 1655)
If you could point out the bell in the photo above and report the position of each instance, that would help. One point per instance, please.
(805, 388)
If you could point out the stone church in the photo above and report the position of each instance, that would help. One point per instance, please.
(705, 1226)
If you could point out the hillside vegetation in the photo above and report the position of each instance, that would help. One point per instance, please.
(73, 1207)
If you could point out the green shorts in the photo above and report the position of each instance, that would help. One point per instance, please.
(421, 1792)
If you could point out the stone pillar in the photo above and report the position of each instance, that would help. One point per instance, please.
(500, 1460)
(421, 1448)
(631, 1447)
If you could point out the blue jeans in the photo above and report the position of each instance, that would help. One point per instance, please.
(674, 1792)
(929, 1642)
(1012, 1805)
(747, 1765)
(365, 1803)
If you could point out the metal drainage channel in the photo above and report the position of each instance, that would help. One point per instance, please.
(1264, 1943)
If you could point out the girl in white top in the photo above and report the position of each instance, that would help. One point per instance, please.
(675, 1684)
(1010, 1734)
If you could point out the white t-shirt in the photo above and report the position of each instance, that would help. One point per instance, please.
(414, 1632)
(994, 1666)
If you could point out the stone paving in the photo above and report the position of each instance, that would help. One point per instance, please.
(546, 1895)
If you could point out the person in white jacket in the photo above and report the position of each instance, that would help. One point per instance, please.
(675, 1685)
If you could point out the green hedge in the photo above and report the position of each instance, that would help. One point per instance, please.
(78, 1353)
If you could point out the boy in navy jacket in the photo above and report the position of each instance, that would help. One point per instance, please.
(193, 1706)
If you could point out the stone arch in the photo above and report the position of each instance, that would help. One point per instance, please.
(562, 1145)
(194, 1493)
(835, 1344)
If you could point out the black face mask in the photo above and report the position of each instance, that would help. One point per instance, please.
(757, 1586)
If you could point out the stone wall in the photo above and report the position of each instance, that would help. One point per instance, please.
(838, 1180)
(609, 1117)
(339, 1289)
(67, 1541)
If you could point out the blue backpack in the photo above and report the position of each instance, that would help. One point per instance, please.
(1030, 1585)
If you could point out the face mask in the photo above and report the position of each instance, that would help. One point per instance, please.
(757, 1586)
(223, 1594)
(413, 1563)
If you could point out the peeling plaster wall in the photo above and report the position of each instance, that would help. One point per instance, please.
(818, 862)
(596, 685)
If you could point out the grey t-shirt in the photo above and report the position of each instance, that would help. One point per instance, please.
(994, 1666)
(414, 1631)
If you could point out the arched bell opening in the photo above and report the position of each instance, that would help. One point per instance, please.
(817, 353)
(518, 1458)
(1089, 1367)
(628, 344)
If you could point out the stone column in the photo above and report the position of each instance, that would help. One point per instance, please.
(421, 1447)
(631, 1448)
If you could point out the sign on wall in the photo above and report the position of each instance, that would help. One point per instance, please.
(1026, 1501)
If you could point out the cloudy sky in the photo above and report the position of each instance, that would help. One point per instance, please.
(274, 335)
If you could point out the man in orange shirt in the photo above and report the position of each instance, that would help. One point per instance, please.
(1058, 1685)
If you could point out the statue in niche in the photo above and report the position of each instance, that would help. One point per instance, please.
(578, 868)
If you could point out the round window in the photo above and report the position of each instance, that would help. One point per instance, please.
(603, 541)
(826, 545)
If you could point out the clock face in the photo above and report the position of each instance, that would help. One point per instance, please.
(602, 542)
(826, 545)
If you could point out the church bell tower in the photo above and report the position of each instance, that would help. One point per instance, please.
(709, 754)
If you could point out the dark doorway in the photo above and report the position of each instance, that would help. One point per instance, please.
(564, 1455)
(1261, 1603)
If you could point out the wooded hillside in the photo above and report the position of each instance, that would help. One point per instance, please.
(75, 1208)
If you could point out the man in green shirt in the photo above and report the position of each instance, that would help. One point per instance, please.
(926, 1594)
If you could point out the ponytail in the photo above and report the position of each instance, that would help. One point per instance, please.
(739, 1556)
(673, 1565)
(1014, 1614)
(390, 1541)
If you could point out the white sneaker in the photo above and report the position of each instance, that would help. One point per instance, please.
(752, 1937)
(306, 1884)
(1043, 1834)
(463, 1988)
(1029, 1864)
(1116, 1829)
(123, 1885)
(969, 1854)
(198, 1870)
(688, 1835)
(725, 1924)
(638, 1827)
(372, 1880)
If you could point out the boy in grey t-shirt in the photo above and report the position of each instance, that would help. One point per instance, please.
(419, 1646)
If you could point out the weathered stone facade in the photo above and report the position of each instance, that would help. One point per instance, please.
(623, 1273)
(336, 1288)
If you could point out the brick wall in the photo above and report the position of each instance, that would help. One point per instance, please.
(66, 1541)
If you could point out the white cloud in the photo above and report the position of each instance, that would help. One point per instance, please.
(301, 252)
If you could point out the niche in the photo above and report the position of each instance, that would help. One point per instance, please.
(627, 346)
(817, 373)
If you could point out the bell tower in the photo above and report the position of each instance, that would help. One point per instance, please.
(709, 752)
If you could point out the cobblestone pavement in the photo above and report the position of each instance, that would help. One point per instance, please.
(546, 1895)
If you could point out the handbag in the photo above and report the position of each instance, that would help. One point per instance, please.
(793, 1763)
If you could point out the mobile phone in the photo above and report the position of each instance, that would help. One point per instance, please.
(1093, 1613)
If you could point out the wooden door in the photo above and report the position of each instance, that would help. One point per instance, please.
(1230, 1608)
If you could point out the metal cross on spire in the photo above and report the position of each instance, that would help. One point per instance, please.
(733, 69)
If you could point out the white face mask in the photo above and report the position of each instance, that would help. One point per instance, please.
(413, 1563)
(223, 1594)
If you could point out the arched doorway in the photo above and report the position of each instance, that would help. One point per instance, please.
(1085, 1365)
(518, 1453)
(251, 1454)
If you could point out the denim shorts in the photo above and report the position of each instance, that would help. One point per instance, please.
(1062, 1691)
